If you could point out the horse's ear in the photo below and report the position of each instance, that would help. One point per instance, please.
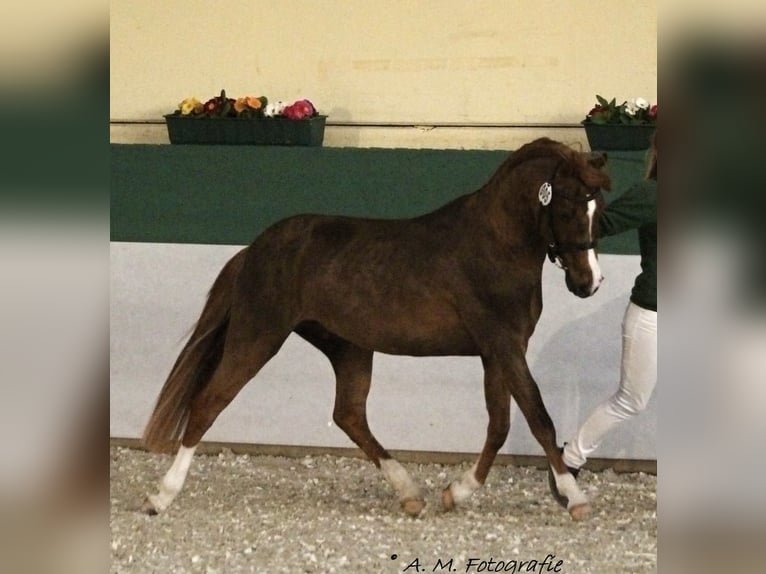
(597, 159)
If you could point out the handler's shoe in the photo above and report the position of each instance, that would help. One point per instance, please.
(562, 500)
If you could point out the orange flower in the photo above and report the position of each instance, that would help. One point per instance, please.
(254, 103)
(248, 102)
(240, 105)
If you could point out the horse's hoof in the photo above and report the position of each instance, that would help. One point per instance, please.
(448, 501)
(579, 512)
(148, 508)
(413, 506)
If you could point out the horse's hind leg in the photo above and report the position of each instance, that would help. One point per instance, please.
(171, 483)
(353, 372)
(240, 362)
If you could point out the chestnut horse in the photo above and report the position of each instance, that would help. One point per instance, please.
(465, 279)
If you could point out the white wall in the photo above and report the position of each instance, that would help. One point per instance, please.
(427, 404)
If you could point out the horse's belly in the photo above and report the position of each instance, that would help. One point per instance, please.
(414, 343)
(418, 332)
(421, 343)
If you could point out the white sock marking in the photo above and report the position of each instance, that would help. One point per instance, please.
(462, 489)
(396, 474)
(173, 481)
(567, 486)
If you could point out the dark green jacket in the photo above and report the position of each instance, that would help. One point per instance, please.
(637, 209)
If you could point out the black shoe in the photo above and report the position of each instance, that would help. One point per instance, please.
(562, 500)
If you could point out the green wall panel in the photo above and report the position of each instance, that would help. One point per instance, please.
(229, 194)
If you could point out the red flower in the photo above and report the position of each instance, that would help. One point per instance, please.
(299, 110)
(210, 106)
(596, 110)
(653, 112)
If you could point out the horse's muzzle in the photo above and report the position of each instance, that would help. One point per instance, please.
(586, 289)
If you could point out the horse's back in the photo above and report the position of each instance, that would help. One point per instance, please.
(384, 284)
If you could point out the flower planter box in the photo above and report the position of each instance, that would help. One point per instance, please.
(604, 137)
(245, 131)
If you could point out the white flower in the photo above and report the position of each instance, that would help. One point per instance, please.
(274, 109)
(641, 103)
(634, 104)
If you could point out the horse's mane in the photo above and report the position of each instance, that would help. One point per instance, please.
(576, 163)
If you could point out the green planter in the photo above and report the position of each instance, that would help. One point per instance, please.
(605, 137)
(246, 131)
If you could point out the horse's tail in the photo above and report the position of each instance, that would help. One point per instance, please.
(195, 364)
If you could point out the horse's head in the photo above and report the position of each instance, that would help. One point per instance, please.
(558, 190)
(573, 201)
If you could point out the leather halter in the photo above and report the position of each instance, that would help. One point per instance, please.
(555, 248)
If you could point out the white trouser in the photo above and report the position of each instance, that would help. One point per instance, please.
(638, 378)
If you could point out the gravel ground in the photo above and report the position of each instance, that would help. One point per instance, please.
(323, 514)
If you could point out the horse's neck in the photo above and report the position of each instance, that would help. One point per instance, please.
(512, 210)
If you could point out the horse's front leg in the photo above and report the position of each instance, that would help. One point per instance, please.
(508, 376)
(498, 400)
(525, 391)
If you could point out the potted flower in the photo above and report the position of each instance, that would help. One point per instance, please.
(249, 120)
(625, 126)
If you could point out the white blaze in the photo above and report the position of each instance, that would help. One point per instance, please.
(595, 269)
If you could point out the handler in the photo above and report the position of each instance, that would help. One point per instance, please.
(635, 209)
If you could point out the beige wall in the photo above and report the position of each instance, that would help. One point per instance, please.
(495, 66)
